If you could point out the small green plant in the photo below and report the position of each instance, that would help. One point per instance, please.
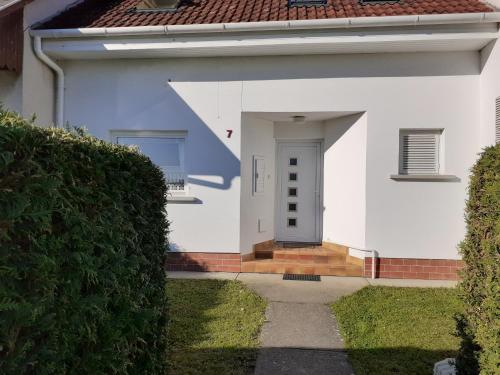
(82, 248)
(479, 325)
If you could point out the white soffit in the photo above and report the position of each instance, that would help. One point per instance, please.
(191, 47)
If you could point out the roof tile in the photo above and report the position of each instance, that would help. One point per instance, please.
(114, 13)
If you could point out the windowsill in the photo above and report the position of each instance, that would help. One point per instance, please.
(181, 198)
(425, 177)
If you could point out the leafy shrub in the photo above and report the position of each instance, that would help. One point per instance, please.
(83, 238)
(479, 326)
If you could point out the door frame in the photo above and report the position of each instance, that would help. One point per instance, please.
(319, 183)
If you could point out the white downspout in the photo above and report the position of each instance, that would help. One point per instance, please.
(59, 116)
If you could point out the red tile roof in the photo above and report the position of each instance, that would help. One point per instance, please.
(119, 13)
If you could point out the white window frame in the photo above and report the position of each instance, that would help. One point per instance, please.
(439, 133)
(176, 136)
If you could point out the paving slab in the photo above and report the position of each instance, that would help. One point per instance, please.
(340, 285)
(300, 325)
(300, 335)
(329, 289)
(301, 338)
(287, 361)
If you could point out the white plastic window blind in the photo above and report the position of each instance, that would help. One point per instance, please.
(419, 151)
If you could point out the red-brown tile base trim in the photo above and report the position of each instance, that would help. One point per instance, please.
(213, 262)
(404, 268)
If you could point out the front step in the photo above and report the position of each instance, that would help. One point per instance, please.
(301, 268)
(316, 256)
(319, 255)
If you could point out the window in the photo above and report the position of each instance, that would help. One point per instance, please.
(292, 176)
(293, 162)
(292, 192)
(419, 151)
(300, 3)
(292, 221)
(165, 149)
(497, 121)
(292, 207)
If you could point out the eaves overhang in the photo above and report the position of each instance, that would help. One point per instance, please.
(450, 32)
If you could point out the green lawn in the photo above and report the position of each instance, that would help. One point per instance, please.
(214, 327)
(398, 330)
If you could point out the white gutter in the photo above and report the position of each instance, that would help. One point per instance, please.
(37, 46)
(334, 23)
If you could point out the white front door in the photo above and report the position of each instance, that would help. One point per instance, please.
(298, 192)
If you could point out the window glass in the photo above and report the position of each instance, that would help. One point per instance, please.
(164, 152)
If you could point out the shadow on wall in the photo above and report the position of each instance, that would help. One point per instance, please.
(277, 68)
(136, 97)
(341, 126)
(206, 154)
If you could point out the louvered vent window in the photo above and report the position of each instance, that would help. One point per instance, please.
(419, 152)
(497, 121)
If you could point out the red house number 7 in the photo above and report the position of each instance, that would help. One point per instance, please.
(229, 133)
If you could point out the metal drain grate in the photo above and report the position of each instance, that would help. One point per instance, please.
(293, 276)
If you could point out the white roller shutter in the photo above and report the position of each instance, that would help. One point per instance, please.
(419, 152)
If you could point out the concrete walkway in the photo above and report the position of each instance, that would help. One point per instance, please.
(300, 335)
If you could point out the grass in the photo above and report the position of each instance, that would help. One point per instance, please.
(214, 327)
(398, 330)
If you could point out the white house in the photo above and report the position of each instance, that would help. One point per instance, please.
(347, 123)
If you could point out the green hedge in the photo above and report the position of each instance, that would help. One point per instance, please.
(479, 326)
(83, 237)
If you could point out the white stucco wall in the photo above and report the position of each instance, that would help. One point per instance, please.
(10, 90)
(345, 181)
(207, 96)
(138, 95)
(257, 140)
(38, 79)
(490, 91)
